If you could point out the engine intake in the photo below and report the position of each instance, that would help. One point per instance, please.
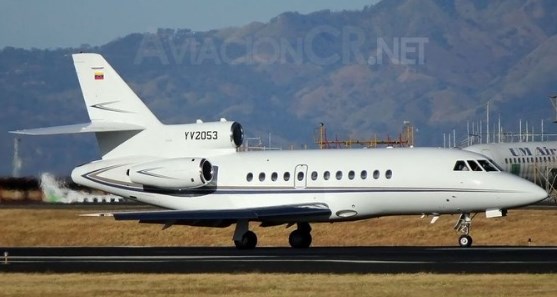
(179, 173)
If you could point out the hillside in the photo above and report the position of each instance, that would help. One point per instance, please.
(431, 62)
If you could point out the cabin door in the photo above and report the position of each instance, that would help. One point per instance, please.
(300, 176)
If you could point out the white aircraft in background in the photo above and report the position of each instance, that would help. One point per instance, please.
(534, 161)
(197, 174)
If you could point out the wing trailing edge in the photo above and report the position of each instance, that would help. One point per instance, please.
(285, 213)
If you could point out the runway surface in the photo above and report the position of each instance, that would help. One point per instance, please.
(287, 260)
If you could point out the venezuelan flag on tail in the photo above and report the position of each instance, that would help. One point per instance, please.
(99, 75)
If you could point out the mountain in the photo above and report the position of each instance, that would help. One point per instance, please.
(432, 62)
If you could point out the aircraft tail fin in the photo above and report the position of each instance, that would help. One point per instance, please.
(118, 116)
(106, 95)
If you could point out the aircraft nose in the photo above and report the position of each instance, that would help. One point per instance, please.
(534, 193)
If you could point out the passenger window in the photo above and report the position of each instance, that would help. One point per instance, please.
(474, 166)
(314, 175)
(286, 176)
(339, 175)
(261, 176)
(351, 174)
(376, 174)
(326, 175)
(388, 174)
(300, 176)
(460, 166)
(249, 177)
(274, 176)
(363, 174)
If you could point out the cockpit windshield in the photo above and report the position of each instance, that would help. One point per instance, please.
(475, 165)
(499, 168)
(487, 166)
(461, 166)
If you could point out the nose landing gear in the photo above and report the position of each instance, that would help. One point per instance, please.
(463, 226)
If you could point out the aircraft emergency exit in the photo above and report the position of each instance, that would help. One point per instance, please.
(198, 175)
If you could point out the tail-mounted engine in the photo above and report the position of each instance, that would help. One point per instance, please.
(179, 173)
(212, 135)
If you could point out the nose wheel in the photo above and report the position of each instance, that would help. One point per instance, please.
(465, 240)
(463, 226)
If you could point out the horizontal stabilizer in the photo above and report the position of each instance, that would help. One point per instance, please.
(276, 213)
(96, 126)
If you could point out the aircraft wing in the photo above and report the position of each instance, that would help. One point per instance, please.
(285, 213)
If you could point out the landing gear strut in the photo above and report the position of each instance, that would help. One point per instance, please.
(463, 226)
(243, 238)
(301, 237)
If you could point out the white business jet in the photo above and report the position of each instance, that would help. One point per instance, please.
(196, 173)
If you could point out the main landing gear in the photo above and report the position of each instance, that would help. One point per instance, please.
(301, 237)
(244, 239)
(247, 242)
(463, 226)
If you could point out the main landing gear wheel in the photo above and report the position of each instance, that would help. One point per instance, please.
(248, 241)
(465, 240)
(301, 237)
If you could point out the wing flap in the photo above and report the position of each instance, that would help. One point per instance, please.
(276, 213)
(180, 215)
(94, 126)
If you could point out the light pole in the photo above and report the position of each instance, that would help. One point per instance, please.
(553, 100)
